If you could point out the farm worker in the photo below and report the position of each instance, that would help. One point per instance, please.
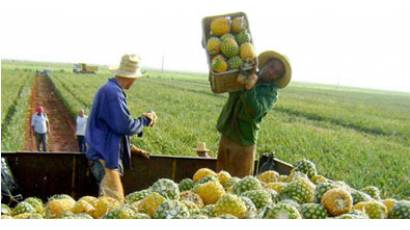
(81, 123)
(110, 125)
(201, 150)
(240, 119)
(40, 127)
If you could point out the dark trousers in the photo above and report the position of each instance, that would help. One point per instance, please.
(81, 144)
(41, 140)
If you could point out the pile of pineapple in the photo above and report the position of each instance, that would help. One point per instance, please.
(302, 194)
(229, 44)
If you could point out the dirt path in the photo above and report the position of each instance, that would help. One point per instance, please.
(61, 123)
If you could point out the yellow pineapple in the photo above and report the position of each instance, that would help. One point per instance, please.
(210, 191)
(220, 26)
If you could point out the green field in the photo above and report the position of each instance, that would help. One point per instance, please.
(359, 136)
(15, 93)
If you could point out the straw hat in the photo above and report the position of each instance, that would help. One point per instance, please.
(201, 147)
(264, 57)
(129, 67)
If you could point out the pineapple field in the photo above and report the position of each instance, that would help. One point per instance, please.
(357, 137)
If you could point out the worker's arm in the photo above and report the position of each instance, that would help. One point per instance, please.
(258, 100)
(118, 117)
(48, 126)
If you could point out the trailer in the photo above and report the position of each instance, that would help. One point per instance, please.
(84, 68)
(43, 174)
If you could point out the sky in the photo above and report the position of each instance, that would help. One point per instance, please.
(352, 43)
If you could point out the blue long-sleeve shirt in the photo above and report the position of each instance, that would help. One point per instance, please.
(110, 121)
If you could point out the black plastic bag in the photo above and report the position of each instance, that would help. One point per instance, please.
(266, 162)
(10, 191)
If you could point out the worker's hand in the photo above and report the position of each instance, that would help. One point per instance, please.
(139, 152)
(152, 116)
(241, 79)
(251, 81)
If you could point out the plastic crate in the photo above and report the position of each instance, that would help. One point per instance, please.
(225, 81)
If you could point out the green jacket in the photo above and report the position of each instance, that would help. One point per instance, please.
(244, 110)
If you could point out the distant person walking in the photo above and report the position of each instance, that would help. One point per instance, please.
(40, 127)
(81, 124)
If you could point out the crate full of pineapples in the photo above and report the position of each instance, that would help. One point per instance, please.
(229, 48)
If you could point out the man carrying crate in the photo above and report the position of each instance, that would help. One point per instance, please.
(239, 120)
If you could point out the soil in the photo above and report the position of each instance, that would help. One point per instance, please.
(62, 125)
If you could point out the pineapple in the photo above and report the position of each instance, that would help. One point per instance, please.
(300, 190)
(220, 26)
(37, 204)
(337, 201)
(322, 189)
(186, 184)
(150, 203)
(260, 198)
(373, 191)
(230, 204)
(227, 36)
(219, 65)
(192, 197)
(389, 203)
(374, 209)
(247, 183)
(251, 211)
(123, 212)
(247, 52)
(103, 205)
(229, 47)
(5, 210)
(313, 211)
(172, 209)
(307, 167)
(23, 207)
(136, 196)
(238, 24)
(210, 191)
(235, 62)
(83, 206)
(359, 196)
(318, 179)
(243, 37)
(223, 177)
(57, 207)
(166, 188)
(277, 186)
(281, 211)
(401, 210)
(269, 176)
(203, 172)
(213, 46)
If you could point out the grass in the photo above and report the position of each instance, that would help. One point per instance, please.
(359, 136)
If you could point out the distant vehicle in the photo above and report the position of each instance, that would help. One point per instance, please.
(44, 73)
(84, 68)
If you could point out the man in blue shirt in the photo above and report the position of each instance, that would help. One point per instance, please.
(109, 126)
